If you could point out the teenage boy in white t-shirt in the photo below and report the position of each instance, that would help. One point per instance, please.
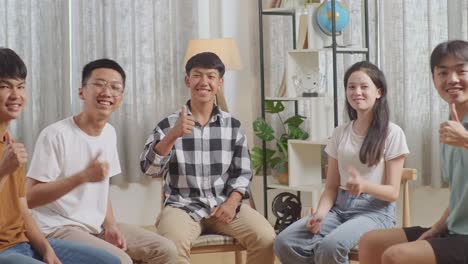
(68, 180)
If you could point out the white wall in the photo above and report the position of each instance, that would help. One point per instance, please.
(137, 203)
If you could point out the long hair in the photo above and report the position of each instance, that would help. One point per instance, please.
(374, 143)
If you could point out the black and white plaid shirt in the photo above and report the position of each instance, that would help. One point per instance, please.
(203, 167)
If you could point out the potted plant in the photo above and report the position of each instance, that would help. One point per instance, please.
(276, 159)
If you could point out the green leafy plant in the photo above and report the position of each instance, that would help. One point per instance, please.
(264, 131)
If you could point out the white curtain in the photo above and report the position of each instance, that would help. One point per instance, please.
(409, 31)
(38, 32)
(402, 36)
(57, 38)
(148, 38)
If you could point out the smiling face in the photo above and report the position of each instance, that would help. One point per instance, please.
(203, 84)
(12, 98)
(451, 80)
(99, 100)
(361, 92)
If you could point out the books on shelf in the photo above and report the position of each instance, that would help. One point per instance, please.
(281, 92)
(302, 32)
(275, 4)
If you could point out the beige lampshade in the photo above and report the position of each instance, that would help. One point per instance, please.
(225, 48)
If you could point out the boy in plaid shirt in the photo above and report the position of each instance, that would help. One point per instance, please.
(202, 153)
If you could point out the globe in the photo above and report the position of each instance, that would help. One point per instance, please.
(324, 16)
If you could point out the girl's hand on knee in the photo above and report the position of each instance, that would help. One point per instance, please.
(313, 224)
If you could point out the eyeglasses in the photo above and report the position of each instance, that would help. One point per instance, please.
(116, 88)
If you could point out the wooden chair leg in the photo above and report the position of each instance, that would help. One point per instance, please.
(238, 257)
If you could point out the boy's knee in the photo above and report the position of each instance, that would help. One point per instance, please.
(124, 257)
(169, 252)
(367, 241)
(266, 238)
(181, 245)
(394, 255)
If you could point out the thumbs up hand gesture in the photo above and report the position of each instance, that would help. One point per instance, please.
(14, 156)
(355, 183)
(452, 132)
(184, 125)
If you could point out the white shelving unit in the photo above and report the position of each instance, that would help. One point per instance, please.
(278, 10)
(307, 70)
(305, 166)
(305, 156)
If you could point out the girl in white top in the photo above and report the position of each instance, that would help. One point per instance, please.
(365, 162)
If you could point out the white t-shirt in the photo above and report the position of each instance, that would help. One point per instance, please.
(345, 145)
(63, 150)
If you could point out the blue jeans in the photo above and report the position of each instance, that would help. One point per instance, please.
(340, 230)
(69, 252)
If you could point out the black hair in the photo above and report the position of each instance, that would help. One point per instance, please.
(101, 63)
(454, 48)
(11, 65)
(374, 143)
(206, 60)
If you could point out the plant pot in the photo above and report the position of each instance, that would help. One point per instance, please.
(283, 174)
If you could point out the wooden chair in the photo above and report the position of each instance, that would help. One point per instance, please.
(213, 243)
(406, 176)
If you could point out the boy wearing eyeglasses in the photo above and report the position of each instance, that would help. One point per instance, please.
(20, 238)
(68, 180)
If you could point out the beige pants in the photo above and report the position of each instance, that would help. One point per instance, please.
(250, 228)
(143, 246)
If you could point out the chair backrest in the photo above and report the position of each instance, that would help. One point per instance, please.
(407, 175)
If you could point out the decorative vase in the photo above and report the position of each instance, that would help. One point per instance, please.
(283, 174)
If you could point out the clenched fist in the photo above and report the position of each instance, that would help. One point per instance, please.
(96, 170)
(355, 183)
(14, 156)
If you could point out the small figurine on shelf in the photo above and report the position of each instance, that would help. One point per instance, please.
(308, 84)
(312, 92)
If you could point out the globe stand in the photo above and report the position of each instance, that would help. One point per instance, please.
(309, 94)
(323, 18)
